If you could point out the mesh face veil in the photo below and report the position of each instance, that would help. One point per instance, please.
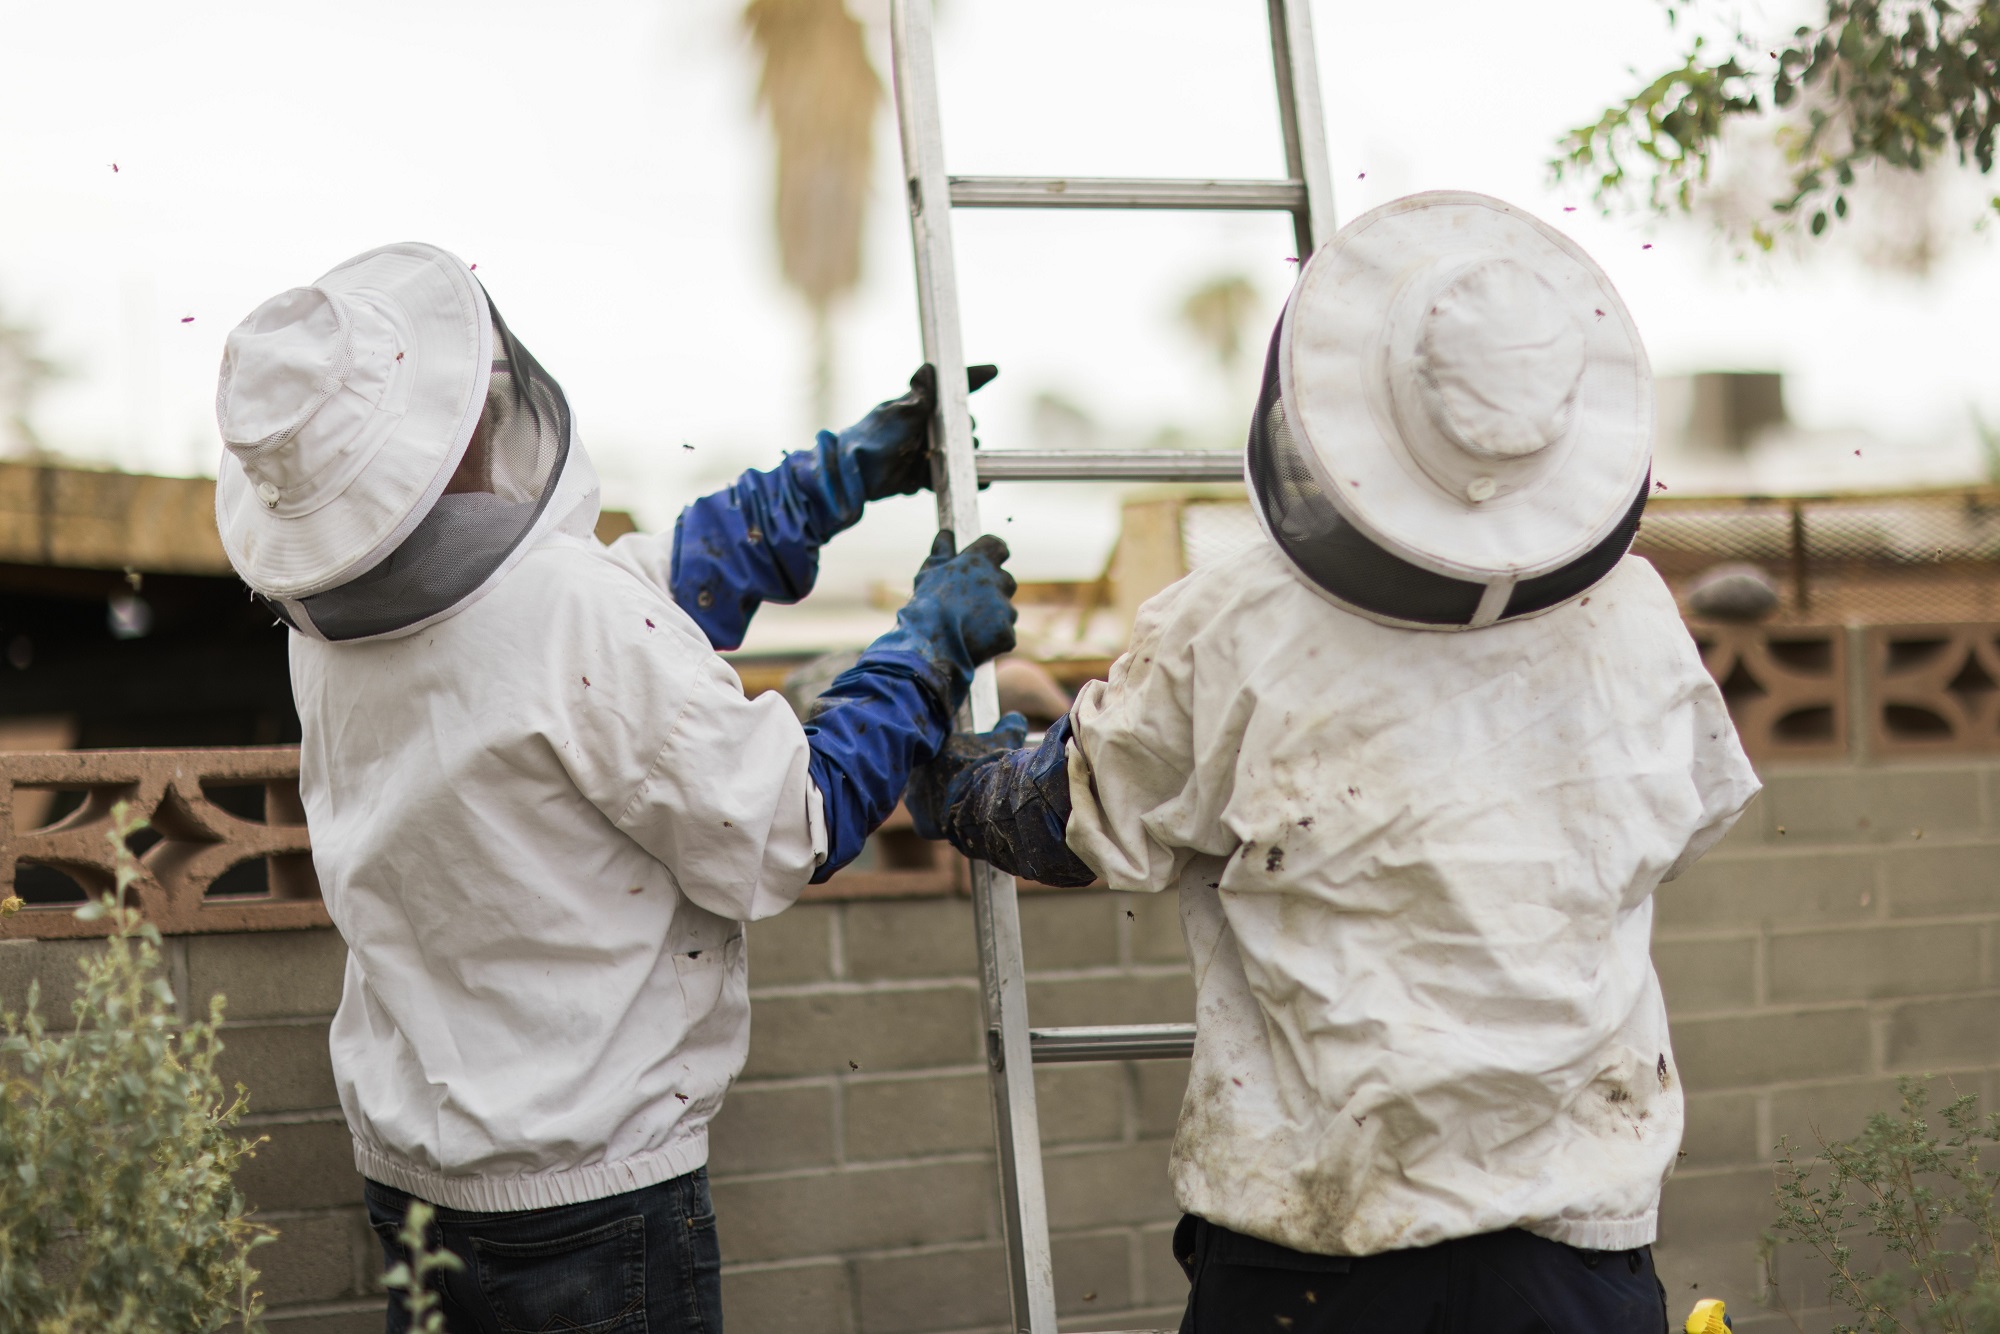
(498, 492)
(1352, 570)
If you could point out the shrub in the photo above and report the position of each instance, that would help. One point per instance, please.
(118, 1213)
(417, 1277)
(1913, 1193)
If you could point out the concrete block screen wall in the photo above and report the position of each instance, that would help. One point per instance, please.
(1844, 934)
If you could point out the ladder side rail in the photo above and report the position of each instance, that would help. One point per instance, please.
(996, 911)
(1302, 119)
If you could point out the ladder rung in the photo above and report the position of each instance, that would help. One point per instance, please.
(1115, 1042)
(1109, 465)
(1117, 192)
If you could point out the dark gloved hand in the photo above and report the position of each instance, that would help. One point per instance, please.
(891, 446)
(999, 802)
(959, 615)
(928, 797)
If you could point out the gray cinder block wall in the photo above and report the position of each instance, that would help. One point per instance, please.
(1844, 934)
(853, 1164)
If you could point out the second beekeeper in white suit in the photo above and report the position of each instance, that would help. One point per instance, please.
(1415, 765)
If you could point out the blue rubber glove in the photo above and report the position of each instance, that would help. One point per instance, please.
(891, 447)
(958, 615)
(892, 709)
(1000, 803)
(758, 539)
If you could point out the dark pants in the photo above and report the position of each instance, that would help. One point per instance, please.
(1509, 1282)
(645, 1262)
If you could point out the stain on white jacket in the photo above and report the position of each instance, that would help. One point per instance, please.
(538, 825)
(1416, 874)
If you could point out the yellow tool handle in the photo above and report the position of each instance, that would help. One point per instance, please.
(1708, 1317)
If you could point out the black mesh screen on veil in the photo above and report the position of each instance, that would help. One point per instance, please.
(492, 501)
(1348, 564)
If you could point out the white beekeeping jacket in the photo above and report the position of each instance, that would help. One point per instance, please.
(539, 823)
(1416, 875)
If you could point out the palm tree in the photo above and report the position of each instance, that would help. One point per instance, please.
(1215, 313)
(821, 93)
(24, 372)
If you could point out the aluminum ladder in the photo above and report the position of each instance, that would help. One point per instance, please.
(1013, 1048)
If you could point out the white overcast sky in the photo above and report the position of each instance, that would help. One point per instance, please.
(600, 160)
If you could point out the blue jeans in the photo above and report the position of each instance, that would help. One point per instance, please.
(1508, 1282)
(645, 1262)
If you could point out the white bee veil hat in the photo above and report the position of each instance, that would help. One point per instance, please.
(390, 448)
(1456, 421)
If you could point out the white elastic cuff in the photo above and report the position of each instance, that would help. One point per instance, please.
(816, 820)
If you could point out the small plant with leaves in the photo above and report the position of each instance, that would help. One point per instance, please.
(1895, 84)
(118, 1209)
(413, 1277)
(1903, 1218)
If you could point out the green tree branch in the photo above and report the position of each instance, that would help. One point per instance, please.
(1896, 83)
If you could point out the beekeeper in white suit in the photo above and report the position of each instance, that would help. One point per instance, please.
(541, 806)
(1415, 765)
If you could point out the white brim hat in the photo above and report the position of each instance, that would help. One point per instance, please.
(345, 407)
(1456, 424)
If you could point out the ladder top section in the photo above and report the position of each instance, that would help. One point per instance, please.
(1288, 196)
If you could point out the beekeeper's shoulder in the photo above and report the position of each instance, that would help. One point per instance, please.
(1637, 597)
(582, 593)
(1252, 581)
